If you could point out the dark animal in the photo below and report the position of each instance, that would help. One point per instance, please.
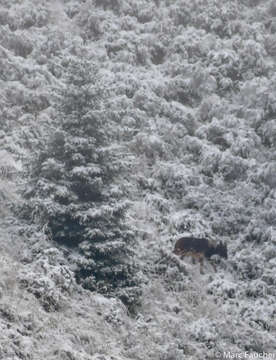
(199, 248)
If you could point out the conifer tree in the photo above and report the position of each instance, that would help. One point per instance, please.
(74, 187)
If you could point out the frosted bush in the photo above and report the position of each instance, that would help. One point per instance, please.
(158, 202)
(174, 275)
(8, 166)
(202, 83)
(145, 99)
(252, 56)
(72, 9)
(4, 17)
(245, 147)
(268, 278)
(114, 47)
(210, 107)
(248, 265)
(225, 62)
(222, 288)
(177, 113)
(270, 216)
(108, 4)
(33, 16)
(115, 312)
(150, 145)
(179, 222)
(255, 117)
(93, 28)
(232, 168)
(270, 253)
(158, 53)
(255, 232)
(193, 146)
(180, 89)
(179, 45)
(267, 174)
(35, 102)
(48, 279)
(173, 136)
(268, 133)
(204, 330)
(217, 134)
(195, 46)
(175, 179)
(180, 14)
(145, 12)
(210, 160)
(272, 9)
(172, 352)
(215, 16)
(50, 46)
(19, 43)
(255, 94)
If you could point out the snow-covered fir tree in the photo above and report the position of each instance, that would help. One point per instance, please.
(73, 187)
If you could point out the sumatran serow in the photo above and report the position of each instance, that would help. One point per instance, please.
(199, 248)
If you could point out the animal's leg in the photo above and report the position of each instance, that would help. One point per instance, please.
(201, 261)
(182, 254)
(214, 266)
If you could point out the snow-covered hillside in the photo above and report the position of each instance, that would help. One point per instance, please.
(176, 101)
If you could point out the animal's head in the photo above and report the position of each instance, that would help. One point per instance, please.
(221, 249)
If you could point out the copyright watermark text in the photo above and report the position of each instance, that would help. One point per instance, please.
(245, 355)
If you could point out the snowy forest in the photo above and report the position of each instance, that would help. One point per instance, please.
(124, 126)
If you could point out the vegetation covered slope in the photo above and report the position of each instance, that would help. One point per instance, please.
(188, 108)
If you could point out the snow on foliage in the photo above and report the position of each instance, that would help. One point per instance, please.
(136, 123)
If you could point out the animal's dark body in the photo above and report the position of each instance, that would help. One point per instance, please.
(199, 248)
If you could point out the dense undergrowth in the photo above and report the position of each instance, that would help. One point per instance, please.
(187, 110)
